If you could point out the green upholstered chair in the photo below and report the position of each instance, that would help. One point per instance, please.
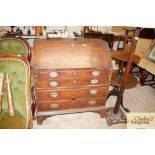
(15, 45)
(18, 70)
(18, 46)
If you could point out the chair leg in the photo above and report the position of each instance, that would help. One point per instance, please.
(143, 78)
(33, 105)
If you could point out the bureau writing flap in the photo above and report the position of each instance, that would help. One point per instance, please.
(71, 53)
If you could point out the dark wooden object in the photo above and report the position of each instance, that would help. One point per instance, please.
(108, 37)
(71, 75)
(144, 79)
(116, 116)
(127, 31)
(117, 77)
(127, 70)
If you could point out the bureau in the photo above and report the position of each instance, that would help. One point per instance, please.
(71, 75)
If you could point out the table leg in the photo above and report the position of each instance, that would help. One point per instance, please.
(116, 89)
(113, 92)
(126, 109)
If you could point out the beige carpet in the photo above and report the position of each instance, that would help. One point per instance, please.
(138, 99)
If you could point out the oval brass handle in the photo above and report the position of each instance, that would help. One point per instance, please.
(74, 73)
(74, 81)
(54, 94)
(54, 106)
(53, 74)
(93, 91)
(96, 73)
(94, 81)
(92, 102)
(53, 83)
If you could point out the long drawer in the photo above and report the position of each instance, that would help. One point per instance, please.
(69, 94)
(70, 104)
(70, 83)
(76, 73)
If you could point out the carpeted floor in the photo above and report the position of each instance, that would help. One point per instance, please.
(138, 99)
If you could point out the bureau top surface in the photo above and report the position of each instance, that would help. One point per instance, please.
(71, 53)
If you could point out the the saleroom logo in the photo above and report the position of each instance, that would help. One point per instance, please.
(141, 120)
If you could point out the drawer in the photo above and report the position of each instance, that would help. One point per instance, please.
(92, 92)
(53, 95)
(70, 104)
(55, 74)
(92, 81)
(52, 84)
(70, 74)
(70, 83)
(94, 73)
(55, 105)
(91, 102)
(69, 94)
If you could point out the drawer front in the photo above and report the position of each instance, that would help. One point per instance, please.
(70, 74)
(92, 81)
(70, 83)
(94, 73)
(52, 84)
(55, 105)
(70, 104)
(54, 74)
(71, 94)
(92, 92)
(91, 102)
(53, 95)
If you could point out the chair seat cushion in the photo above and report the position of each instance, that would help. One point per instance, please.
(12, 122)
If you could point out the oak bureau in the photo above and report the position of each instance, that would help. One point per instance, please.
(71, 75)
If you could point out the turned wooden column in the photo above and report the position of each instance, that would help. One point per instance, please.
(127, 70)
(38, 30)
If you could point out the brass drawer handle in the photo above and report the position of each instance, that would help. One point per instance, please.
(74, 73)
(54, 106)
(74, 81)
(54, 94)
(92, 102)
(93, 91)
(96, 73)
(54, 83)
(53, 74)
(94, 81)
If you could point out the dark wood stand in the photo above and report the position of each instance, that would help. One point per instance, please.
(117, 115)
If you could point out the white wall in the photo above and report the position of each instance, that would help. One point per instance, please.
(70, 29)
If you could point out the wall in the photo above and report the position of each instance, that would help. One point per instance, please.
(70, 29)
(118, 29)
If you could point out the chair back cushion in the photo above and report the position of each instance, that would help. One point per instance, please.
(142, 47)
(14, 46)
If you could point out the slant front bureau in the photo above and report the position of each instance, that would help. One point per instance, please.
(71, 75)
